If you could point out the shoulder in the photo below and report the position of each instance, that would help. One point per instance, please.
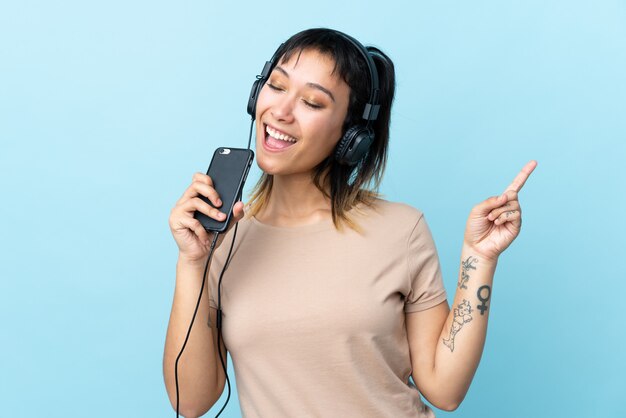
(382, 213)
(400, 212)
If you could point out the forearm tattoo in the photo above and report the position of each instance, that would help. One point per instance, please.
(465, 267)
(461, 315)
(484, 293)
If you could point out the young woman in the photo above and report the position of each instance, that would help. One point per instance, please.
(333, 299)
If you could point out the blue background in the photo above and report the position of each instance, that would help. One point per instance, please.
(107, 108)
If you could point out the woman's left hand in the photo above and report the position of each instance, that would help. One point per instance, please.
(494, 224)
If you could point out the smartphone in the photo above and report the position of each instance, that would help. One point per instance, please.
(228, 169)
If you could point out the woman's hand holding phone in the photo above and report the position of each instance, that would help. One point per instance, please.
(194, 242)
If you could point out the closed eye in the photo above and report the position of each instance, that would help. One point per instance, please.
(273, 87)
(312, 105)
(307, 103)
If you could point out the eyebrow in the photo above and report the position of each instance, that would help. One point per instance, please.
(313, 85)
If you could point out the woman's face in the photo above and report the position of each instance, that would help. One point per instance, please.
(300, 113)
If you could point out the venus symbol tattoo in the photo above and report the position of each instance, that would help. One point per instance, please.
(484, 293)
(461, 315)
(466, 265)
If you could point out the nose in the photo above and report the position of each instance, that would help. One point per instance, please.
(282, 108)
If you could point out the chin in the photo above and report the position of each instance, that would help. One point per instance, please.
(268, 166)
(278, 168)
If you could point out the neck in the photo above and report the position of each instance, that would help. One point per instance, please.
(295, 200)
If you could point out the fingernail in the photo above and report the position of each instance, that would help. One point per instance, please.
(219, 202)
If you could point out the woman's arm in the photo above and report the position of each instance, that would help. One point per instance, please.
(200, 374)
(445, 345)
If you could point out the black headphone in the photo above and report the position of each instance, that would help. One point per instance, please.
(357, 139)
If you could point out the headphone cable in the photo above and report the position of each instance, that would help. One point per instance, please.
(250, 134)
(219, 317)
(219, 294)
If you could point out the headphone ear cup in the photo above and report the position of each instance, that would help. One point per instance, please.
(254, 94)
(354, 145)
(343, 144)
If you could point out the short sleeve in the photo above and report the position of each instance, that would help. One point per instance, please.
(425, 279)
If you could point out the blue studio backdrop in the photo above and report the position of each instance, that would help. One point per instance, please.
(107, 108)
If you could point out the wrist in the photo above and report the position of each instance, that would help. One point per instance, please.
(186, 261)
(468, 250)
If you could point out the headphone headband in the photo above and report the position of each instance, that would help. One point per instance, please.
(372, 107)
(356, 141)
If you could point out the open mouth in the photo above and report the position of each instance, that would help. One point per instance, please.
(275, 139)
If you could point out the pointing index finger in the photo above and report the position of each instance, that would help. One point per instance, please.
(523, 175)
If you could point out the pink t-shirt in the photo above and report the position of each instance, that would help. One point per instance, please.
(314, 318)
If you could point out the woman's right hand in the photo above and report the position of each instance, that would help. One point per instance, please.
(194, 242)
